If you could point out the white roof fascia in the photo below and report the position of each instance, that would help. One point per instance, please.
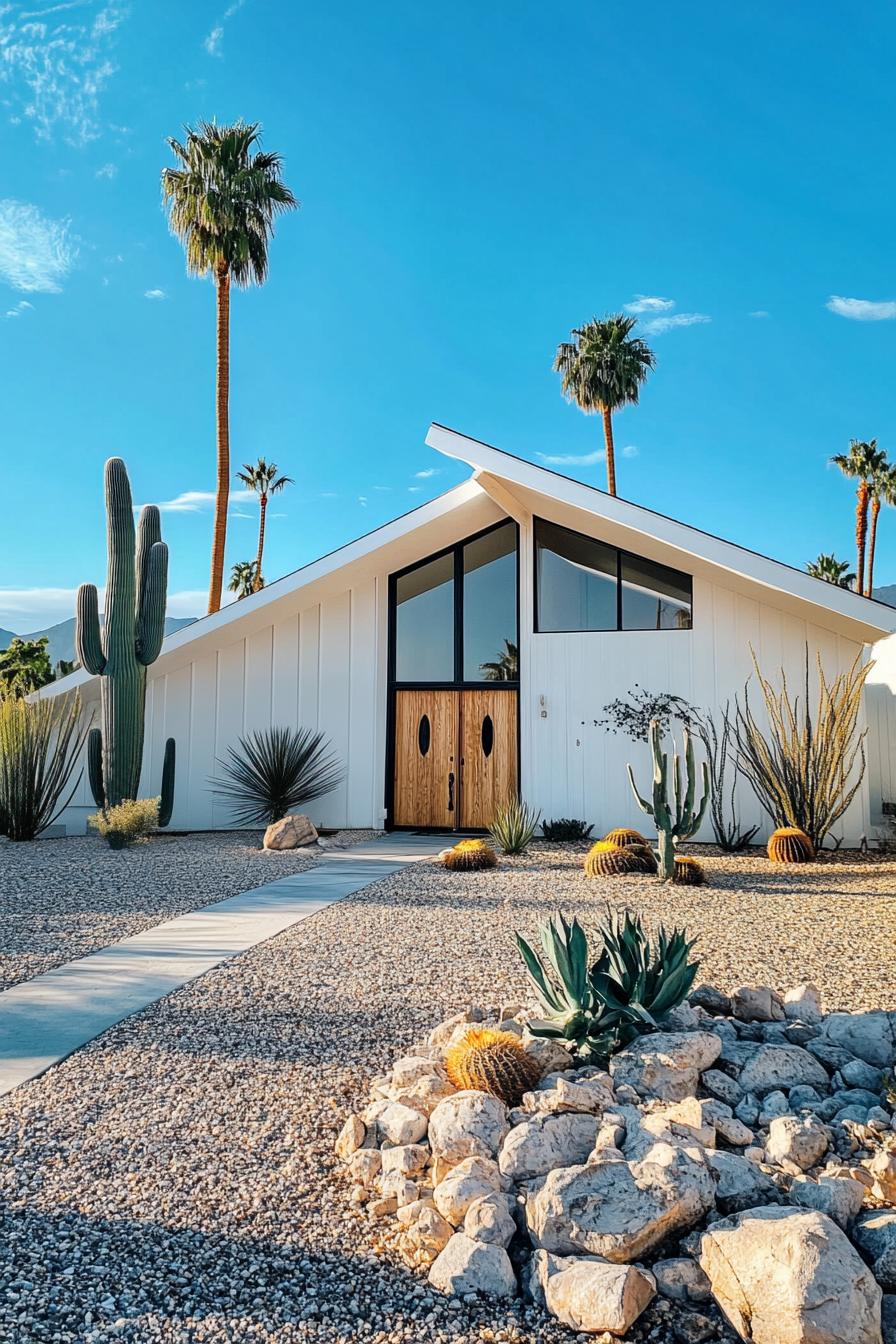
(868, 619)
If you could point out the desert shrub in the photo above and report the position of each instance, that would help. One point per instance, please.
(600, 1007)
(808, 766)
(633, 714)
(513, 827)
(40, 744)
(567, 828)
(274, 771)
(128, 822)
(723, 773)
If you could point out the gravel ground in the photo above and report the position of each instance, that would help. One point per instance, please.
(60, 899)
(175, 1181)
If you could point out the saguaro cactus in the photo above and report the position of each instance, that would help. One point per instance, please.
(130, 640)
(675, 820)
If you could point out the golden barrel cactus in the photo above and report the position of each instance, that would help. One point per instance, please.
(644, 858)
(624, 835)
(688, 872)
(469, 856)
(492, 1061)
(608, 860)
(788, 844)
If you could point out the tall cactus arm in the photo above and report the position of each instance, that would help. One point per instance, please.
(704, 802)
(88, 638)
(691, 774)
(151, 605)
(149, 531)
(166, 800)
(95, 766)
(121, 584)
(642, 802)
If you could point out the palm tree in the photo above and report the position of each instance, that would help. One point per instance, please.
(861, 463)
(507, 665)
(242, 579)
(263, 479)
(222, 200)
(832, 570)
(882, 490)
(602, 370)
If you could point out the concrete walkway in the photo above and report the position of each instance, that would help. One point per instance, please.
(45, 1019)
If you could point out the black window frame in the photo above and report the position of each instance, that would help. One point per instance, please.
(457, 550)
(621, 554)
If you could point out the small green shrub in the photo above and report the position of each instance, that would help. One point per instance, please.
(513, 827)
(128, 822)
(567, 828)
(599, 1007)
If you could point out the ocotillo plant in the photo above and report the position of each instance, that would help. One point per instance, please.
(675, 820)
(121, 651)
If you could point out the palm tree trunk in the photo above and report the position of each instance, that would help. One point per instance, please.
(861, 532)
(222, 411)
(872, 542)
(258, 581)
(611, 454)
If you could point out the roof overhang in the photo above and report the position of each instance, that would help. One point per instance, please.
(536, 490)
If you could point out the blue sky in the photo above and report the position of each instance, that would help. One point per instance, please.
(475, 180)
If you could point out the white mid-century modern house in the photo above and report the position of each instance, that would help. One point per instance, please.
(467, 650)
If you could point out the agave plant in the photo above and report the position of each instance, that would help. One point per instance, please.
(273, 771)
(513, 827)
(631, 986)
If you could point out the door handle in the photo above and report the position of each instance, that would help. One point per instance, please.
(451, 791)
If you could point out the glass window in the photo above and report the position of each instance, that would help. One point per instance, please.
(491, 651)
(576, 580)
(424, 622)
(654, 597)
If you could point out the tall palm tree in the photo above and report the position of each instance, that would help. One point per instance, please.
(602, 369)
(263, 479)
(861, 463)
(882, 490)
(242, 579)
(832, 570)
(222, 199)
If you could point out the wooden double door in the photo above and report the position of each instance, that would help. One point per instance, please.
(456, 757)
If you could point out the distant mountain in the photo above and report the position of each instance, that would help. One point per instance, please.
(61, 637)
(886, 594)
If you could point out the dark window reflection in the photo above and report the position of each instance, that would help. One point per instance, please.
(490, 634)
(576, 580)
(424, 622)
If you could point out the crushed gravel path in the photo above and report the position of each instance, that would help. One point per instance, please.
(60, 899)
(175, 1181)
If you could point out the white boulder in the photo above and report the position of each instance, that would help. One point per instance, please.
(666, 1065)
(467, 1124)
(290, 832)
(790, 1276)
(802, 1140)
(400, 1124)
(536, 1146)
(467, 1266)
(471, 1179)
(589, 1294)
(781, 1066)
(491, 1219)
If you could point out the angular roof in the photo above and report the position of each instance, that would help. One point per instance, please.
(514, 486)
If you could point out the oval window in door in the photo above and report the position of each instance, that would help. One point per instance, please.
(424, 735)
(488, 735)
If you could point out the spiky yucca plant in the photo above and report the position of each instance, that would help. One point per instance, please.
(629, 988)
(469, 856)
(269, 773)
(606, 859)
(492, 1061)
(40, 747)
(788, 844)
(513, 827)
(688, 871)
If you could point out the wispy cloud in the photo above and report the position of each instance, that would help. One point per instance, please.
(198, 501)
(36, 253)
(20, 309)
(862, 310)
(572, 459)
(214, 41)
(425, 475)
(759, 312)
(657, 325)
(108, 170)
(155, 294)
(631, 450)
(362, 500)
(649, 303)
(57, 67)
